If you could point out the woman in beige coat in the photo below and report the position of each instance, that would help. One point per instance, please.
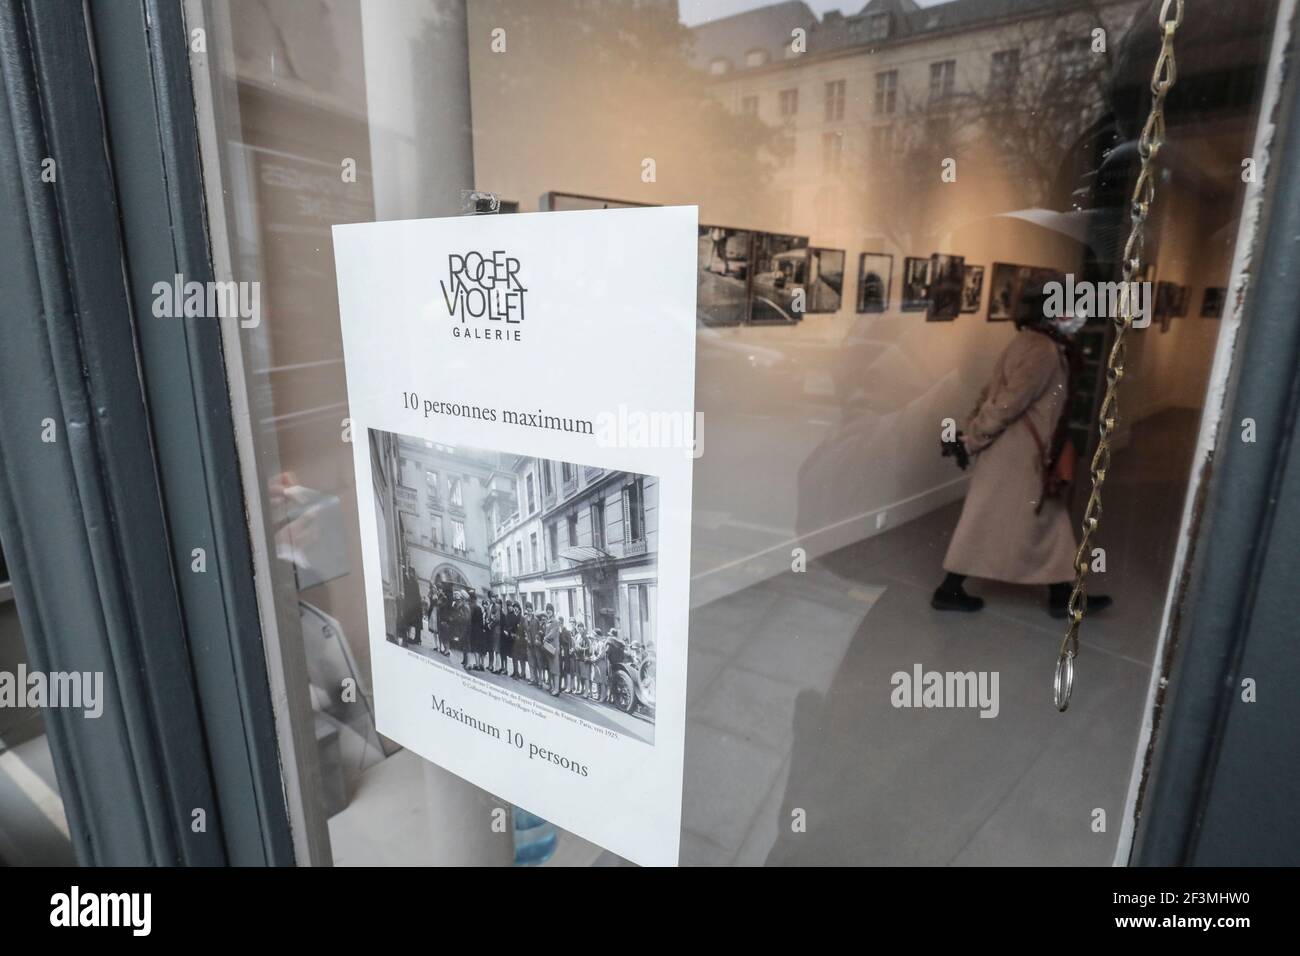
(1008, 531)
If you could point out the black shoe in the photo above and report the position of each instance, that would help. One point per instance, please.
(1096, 602)
(958, 600)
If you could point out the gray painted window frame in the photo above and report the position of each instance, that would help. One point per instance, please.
(101, 525)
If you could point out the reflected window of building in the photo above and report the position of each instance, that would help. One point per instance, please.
(882, 142)
(1074, 58)
(835, 100)
(1004, 72)
(719, 66)
(458, 536)
(788, 103)
(943, 78)
(756, 58)
(832, 151)
(886, 92)
(878, 26)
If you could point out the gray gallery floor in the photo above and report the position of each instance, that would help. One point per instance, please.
(789, 699)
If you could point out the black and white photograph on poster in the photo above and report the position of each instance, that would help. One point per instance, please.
(947, 277)
(916, 284)
(537, 577)
(972, 289)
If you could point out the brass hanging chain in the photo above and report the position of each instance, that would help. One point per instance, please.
(1144, 191)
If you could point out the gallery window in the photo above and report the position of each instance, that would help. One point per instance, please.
(820, 426)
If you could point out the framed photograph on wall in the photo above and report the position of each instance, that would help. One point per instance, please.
(1002, 292)
(947, 279)
(972, 289)
(724, 258)
(780, 273)
(875, 271)
(825, 279)
(1212, 300)
(916, 284)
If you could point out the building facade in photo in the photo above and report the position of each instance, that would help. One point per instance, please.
(584, 540)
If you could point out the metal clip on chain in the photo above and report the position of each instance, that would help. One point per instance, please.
(1149, 143)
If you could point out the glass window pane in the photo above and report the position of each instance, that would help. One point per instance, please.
(871, 268)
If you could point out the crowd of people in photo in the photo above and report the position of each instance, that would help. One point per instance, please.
(508, 637)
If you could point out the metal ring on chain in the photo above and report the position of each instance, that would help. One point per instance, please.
(1063, 685)
(1150, 140)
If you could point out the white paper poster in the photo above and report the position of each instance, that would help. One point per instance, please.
(521, 392)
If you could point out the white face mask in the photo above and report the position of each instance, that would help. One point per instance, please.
(1069, 324)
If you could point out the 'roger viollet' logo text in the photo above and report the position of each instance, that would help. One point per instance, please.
(484, 286)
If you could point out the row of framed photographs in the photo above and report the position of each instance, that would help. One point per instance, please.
(944, 286)
(1173, 301)
(746, 277)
